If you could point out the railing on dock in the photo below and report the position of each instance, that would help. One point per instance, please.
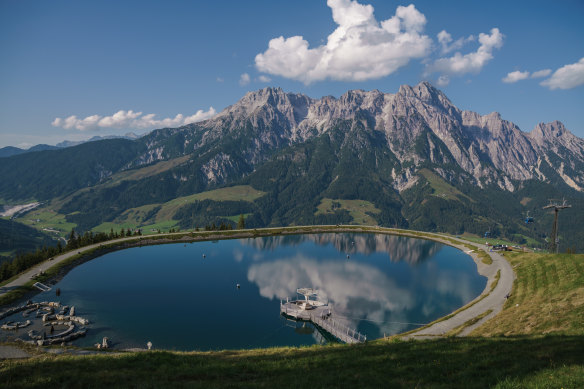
(339, 330)
(324, 319)
(41, 287)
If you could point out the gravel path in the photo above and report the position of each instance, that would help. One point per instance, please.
(494, 301)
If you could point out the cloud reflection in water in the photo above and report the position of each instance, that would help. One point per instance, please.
(366, 290)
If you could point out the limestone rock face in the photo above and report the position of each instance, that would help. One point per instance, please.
(488, 148)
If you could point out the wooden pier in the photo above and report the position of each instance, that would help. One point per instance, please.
(321, 316)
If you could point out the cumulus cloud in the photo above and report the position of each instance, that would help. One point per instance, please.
(473, 62)
(515, 76)
(447, 44)
(541, 73)
(566, 77)
(264, 78)
(443, 80)
(360, 48)
(130, 120)
(244, 79)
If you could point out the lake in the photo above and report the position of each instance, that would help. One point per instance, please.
(184, 296)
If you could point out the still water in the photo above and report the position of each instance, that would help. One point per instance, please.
(184, 297)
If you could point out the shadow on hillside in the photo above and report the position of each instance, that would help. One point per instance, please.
(453, 362)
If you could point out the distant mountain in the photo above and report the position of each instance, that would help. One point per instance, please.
(413, 158)
(69, 143)
(9, 151)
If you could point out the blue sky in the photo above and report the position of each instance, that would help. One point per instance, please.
(76, 69)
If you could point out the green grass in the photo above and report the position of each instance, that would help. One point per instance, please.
(135, 217)
(547, 297)
(46, 217)
(456, 331)
(148, 171)
(232, 193)
(235, 218)
(445, 363)
(441, 188)
(357, 209)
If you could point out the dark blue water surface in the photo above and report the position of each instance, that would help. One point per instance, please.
(177, 298)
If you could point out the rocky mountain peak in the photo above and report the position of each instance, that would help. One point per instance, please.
(489, 148)
(549, 131)
(556, 137)
(426, 94)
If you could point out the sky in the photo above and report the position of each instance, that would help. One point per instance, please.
(71, 70)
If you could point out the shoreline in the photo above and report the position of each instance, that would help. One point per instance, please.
(490, 300)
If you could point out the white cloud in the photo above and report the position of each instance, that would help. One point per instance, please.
(445, 40)
(443, 80)
(473, 62)
(515, 76)
(566, 77)
(541, 73)
(219, 79)
(360, 48)
(264, 78)
(244, 79)
(130, 120)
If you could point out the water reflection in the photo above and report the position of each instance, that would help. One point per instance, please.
(398, 248)
(380, 289)
(357, 290)
(366, 294)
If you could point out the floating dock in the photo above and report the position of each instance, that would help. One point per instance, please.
(319, 313)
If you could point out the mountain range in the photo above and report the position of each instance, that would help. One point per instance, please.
(409, 159)
(9, 151)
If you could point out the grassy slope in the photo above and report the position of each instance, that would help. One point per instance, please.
(441, 187)
(132, 218)
(547, 297)
(48, 216)
(357, 209)
(453, 362)
(148, 171)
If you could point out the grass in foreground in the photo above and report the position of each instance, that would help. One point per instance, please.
(554, 361)
(547, 297)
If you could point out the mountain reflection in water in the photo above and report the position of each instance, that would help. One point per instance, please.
(398, 248)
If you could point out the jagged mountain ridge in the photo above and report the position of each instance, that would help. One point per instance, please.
(412, 157)
(491, 150)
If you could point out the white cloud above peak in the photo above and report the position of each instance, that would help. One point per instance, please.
(473, 62)
(447, 44)
(567, 77)
(518, 75)
(360, 48)
(127, 120)
(244, 79)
